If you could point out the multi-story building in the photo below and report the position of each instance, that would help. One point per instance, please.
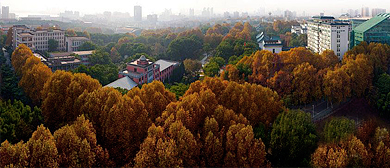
(377, 30)
(143, 70)
(325, 33)
(37, 39)
(377, 11)
(137, 13)
(73, 43)
(60, 61)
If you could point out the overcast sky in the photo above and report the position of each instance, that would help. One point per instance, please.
(54, 7)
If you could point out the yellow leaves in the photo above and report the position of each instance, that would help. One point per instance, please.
(19, 57)
(360, 71)
(337, 85)
(35, 74)
(302, 83)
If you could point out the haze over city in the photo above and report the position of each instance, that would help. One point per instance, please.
(310, 7)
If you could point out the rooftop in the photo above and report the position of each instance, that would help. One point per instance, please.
(84, 52)
(78, 38)
(164, 64)
(367, 25)
(124, 83)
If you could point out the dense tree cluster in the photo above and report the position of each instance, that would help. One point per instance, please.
(304, 76)
(74, 146)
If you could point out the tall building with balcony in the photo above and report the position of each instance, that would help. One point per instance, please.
(325, 33)
(137, 13)
(37, 40)
(376, 30)
(365, 12)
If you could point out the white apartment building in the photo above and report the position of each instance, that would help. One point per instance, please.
(325, 33)
(37, 40)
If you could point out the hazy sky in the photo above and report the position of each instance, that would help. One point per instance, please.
(53, 7)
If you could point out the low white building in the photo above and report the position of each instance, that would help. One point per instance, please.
(325, 33)
(73, 43)
(272, 44)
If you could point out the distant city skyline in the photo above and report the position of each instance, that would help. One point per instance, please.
(51, 7)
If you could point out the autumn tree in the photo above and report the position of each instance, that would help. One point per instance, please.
(60, 93)
(14, 155)
(302, 86)
(243, 149)
(293, 139)
(360, 72)
(154, 96)
(337, 85)
(42, 149)
(168, 147)
(34, 76)
(70, 32)
(329, 156)
(127, 120)
(77, 146)
(19, 57)
(350, 152)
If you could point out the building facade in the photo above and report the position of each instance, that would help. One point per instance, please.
(73, 43)
(325, 33)
(37, 40)
(143, 70)
(375, 30)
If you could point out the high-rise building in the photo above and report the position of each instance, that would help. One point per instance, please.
(226, 15)
(377, 11)
(375, 30)
(137, 13)
(5, 12)
(365, 12)
(325, 33)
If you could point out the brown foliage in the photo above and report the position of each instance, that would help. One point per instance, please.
(34, 76)
(19, 58)
(60, 93)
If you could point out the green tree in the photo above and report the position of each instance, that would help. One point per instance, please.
(100, 57)
(53, 45)
(87, 46)
(338, 129)
(293, 139)
(179, 89)
(211, 69)
(18, 121)
(183, 48)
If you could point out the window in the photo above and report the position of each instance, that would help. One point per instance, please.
(135, 69)
(273, 51)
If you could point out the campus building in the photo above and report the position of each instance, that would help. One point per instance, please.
(73, 43)
(37, 40)
(377, 30)
(143, 70)
(326, 33)
(272, 44)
